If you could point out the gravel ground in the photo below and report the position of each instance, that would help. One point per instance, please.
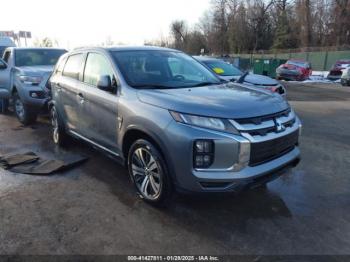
(93, 209)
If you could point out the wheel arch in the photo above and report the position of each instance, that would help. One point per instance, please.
(134, 134)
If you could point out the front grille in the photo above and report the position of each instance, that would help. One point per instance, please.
(259, 120)
(268, 150)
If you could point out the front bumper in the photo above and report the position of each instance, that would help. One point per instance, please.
(228, 173)
(37, 103)
(334, 75)
(345, 82)
(292, 77)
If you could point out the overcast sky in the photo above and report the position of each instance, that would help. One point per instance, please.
(76, 22)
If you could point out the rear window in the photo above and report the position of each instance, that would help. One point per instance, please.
(73, 66)
(37, 57)
(299, 63)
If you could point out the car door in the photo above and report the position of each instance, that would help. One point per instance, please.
(69, 91)
(100, 109)
(4, 80)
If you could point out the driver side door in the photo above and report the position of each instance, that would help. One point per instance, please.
(100, 108)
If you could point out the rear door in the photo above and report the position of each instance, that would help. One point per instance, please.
(4, 79)
(100, 110)
(70, 93)
(5, 75)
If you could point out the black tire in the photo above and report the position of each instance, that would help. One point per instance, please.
(3, 106)
(148, 176)
(24, 114)
(59, 135)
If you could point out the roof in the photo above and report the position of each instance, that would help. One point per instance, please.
(206, 58)
(298, 60)
(6, 41)
(128, 48)
(37, 48)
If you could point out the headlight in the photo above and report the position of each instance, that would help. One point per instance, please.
(30, 80)
(205, 122)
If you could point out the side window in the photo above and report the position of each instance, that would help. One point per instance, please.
(61, 65)
(7, 56)
(73, 66)
(97, 65)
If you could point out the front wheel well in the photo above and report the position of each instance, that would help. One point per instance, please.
(14, 90)
(133, 135)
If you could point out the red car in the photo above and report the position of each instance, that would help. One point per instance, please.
(336, 71)
(294, 69)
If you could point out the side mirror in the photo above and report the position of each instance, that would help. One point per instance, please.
(3, 65)
(104, 83)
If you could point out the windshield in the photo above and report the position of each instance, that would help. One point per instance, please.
(36, 57)
(299, 63)
(222, 68)
(162, 69)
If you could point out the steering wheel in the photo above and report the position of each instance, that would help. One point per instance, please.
(179, 78)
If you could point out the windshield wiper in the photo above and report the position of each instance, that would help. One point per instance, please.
(153, 86)
(242, 78)
(204, 84)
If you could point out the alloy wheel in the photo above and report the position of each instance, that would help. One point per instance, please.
(147, 173)
(19, 107)
(55, 130)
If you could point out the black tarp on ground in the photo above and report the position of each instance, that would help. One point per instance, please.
(30, 163)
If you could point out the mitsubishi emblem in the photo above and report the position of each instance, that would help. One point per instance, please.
(279, 126)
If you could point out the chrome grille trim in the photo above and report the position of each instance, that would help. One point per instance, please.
(272, 135)
(264, 128)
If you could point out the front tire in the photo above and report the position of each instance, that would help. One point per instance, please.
(59, 135)
(149, 173)
(23, 112)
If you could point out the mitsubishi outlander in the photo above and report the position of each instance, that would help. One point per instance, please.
(171, 121)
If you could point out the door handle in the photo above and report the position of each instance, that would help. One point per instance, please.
(81, 97)
(58, 87)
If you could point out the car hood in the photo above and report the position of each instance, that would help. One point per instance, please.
(36, 70)
(255, 79)
(223, 101)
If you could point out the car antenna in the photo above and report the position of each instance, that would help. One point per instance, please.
(241, 79)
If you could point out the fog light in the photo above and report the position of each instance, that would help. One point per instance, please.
(203, 152)
(34, 95)
(37, 94)
(203, 146)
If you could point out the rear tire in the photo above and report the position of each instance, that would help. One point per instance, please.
(59, 135)
(149, 173)
(24, 114)
(3, 106)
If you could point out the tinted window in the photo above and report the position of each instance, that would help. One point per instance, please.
(2, 49)
(223, 68)
(162, 69)
(61, 65)
(35, 57)
(97, 65)
(73, 66)
(7, 56)
(299, 63)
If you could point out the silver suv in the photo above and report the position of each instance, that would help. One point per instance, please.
(23, 76)
(171, 121)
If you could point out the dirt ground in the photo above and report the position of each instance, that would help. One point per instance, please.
(93, 209)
